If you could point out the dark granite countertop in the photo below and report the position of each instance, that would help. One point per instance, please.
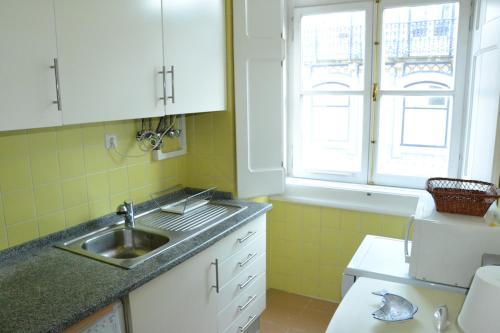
(46, 289)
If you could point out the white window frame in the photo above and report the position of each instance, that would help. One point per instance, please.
(371, 110)
(457, 93)
(294, 86)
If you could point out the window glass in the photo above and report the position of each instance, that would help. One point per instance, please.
(331, 134)
(419, 46)
(414, 136)
(332, 51)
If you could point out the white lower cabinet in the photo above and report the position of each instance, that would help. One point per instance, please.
(185, 299)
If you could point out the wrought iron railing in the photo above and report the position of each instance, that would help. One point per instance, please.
(420, 38)
(429, 38)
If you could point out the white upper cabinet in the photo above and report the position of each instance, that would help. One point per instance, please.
(66, 62)
(28, 50)
(195, 61)
(110, 56)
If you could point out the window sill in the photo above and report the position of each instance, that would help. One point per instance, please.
(366, 198)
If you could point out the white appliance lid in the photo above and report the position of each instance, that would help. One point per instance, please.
(379, 256)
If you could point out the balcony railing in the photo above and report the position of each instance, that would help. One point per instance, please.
(431, 38)
(420, 39)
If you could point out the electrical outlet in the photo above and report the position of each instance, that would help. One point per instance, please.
(110, 141)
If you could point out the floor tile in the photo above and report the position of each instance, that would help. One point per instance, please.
(290, 313)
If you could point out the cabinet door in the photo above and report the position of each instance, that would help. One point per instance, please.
(182, 300)
(110, 53)
(28, 50)
(195, 49)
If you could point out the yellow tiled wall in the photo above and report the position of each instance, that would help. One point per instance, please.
(310, 246)
(54, 178)
(211, 136)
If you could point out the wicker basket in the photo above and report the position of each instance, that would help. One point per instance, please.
(460, 196)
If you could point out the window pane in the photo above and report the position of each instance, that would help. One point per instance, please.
(419, 47)
(414, 136)
(331, 134)
(332, 51)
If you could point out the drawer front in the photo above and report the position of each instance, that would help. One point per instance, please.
(233, 266)
(241, 282)
(248, 316)
(231, 244)
(245, 300)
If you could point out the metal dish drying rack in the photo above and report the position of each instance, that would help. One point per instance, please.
(189, 201)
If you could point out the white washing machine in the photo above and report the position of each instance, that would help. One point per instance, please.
(383, 258)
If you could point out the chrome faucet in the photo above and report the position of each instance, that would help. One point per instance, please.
(127, 209)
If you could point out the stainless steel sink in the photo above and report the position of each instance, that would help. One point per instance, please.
(154, 232)
(120, 245)
(124, 243)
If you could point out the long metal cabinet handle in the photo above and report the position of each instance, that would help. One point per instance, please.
(247, 260)
(247, 325)
(163, 73)
(250, 300)
(55, 67)
(249, 234)
(216, 263)
(250, 279)
(172, 73)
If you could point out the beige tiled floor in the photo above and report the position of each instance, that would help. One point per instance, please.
(290, 313)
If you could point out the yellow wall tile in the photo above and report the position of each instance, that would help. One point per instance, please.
(77, 215)
(310, 252)
(93, 134)
(3, 231)
(48, 198)
(15, 172)
(69, 137)
(42, 140)
(330, 218)
(19, 206)
(99, 208)
(44, 167)
(312, 216)
(350, 220)
(118, 181)
(22, 232)
(96, 159)
(293, 212)
(98, 186)
(140, 195)
(72, 162)
(3, 237)
(137, 176)
(330, 283)
(13, 143)
(394, 226)
(125, 130)
(75, 192)
(371, 224)
(117, 199)
(326, 242)
(51, 223)
(330, 239)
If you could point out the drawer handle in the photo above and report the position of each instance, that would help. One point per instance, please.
(250, 279)
(247, 325)
(216, 286)
(250, 300)
(247, 260)
(250, 234)
(55, 67)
